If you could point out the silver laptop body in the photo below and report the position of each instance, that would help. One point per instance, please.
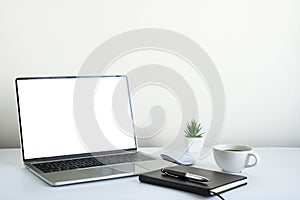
(84, 120)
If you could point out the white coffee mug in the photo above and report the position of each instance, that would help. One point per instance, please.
(234, 158)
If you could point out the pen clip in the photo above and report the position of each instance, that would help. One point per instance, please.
(168, 174)
(165, 172)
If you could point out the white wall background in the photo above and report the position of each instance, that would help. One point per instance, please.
(255, 45)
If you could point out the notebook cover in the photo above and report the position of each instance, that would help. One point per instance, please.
(217, 179)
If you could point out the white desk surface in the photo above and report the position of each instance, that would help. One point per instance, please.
(276, 177)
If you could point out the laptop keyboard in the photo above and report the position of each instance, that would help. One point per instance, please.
(55, 166)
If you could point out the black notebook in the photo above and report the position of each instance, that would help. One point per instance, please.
(218, 182)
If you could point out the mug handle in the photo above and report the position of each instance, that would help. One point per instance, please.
(256, 160)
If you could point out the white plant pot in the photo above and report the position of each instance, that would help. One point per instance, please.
(194, 145)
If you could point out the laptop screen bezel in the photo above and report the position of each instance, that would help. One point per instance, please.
(70, 156)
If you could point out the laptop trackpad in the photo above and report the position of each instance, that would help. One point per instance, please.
(114, 170)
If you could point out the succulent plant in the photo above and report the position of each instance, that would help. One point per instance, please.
(192, 129)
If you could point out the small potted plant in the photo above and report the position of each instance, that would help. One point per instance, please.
(194, 136)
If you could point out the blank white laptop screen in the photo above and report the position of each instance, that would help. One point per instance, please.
(47, 116)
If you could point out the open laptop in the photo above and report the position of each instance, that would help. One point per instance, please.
(79, 128)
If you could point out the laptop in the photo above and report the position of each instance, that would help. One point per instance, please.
(77, 129)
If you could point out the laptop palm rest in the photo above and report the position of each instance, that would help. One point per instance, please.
(90, 174)
(113, 170)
